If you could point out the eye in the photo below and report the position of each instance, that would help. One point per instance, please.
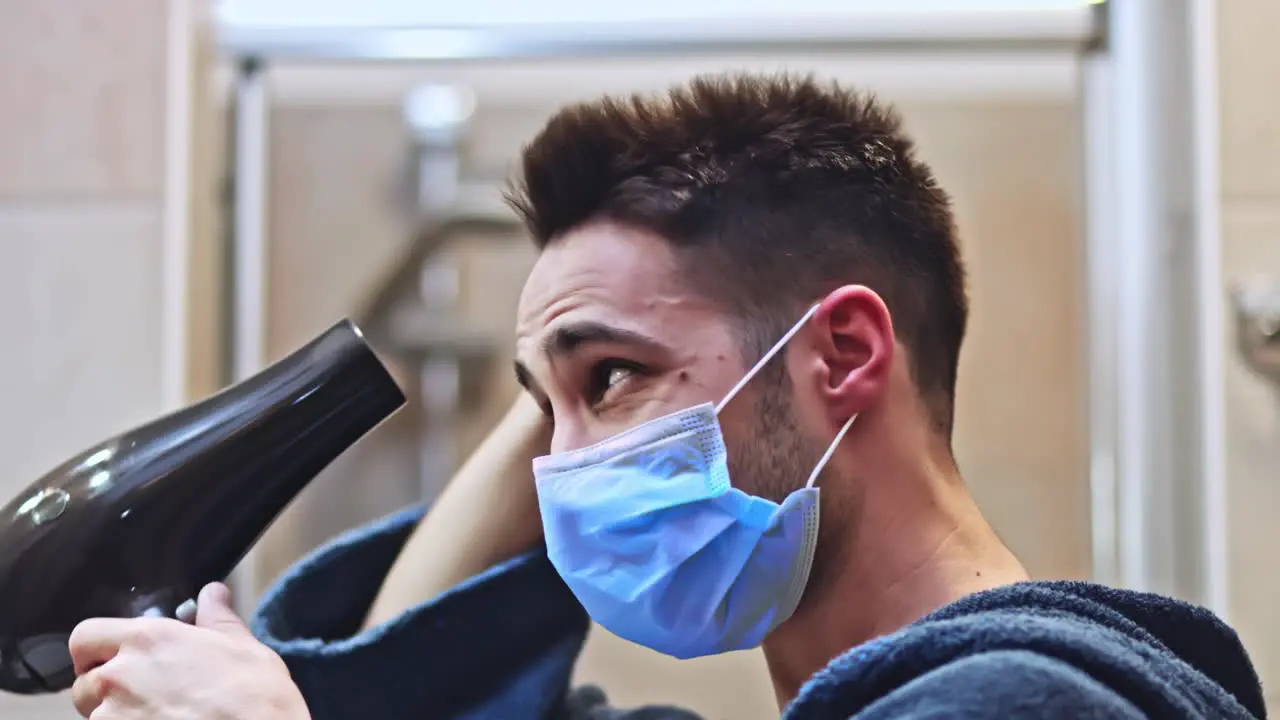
(607, 375)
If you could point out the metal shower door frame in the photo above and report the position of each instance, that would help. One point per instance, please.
(1153, 305)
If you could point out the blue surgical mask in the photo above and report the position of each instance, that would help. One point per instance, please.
(651, 536)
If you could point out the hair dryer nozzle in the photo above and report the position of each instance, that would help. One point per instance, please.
(138, 524)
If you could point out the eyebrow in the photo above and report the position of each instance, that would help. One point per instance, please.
(569, 338)
(572, 337)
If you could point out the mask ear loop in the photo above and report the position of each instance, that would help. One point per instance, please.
(755, 370)
(777, 347)
(831, 450)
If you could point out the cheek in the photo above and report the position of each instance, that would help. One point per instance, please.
(807, 402)
(808, 413)
(709, 379)
(758, 461)
(574, 432)
(746, 441)
(669, 392)
(770, 454)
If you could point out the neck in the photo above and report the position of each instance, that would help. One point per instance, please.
(916, 542)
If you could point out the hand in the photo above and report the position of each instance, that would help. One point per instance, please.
(162, 669)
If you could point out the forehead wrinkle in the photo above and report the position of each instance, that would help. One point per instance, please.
(617, 276)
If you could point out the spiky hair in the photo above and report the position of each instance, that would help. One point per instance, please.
(779, 189)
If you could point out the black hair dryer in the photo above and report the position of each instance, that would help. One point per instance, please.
(138, 524)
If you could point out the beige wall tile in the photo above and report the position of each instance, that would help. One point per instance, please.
(1251, 246)
(336, 221)
(81, 292)
(82, 87)
(1250, 66)
(206, 292)
(1021, 441)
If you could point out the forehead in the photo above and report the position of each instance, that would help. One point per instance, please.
(609, 273)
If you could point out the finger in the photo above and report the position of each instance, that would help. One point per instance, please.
(213, 611)
(89, 691)
(94, 642)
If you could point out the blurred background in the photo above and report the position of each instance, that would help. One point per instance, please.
(141, 143)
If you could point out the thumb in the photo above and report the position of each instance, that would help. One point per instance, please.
(213, 611)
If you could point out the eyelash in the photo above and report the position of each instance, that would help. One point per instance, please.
(598, 381)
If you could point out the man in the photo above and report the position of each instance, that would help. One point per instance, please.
(739, 346)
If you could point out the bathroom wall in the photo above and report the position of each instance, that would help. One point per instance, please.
(1249, 65)
(1012, 164)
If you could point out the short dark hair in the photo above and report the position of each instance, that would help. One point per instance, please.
(779, 189)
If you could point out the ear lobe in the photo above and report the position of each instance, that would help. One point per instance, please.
(857, 345)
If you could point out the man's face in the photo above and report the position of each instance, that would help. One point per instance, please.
(611, 334)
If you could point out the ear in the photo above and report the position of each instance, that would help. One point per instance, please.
(855, 346)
